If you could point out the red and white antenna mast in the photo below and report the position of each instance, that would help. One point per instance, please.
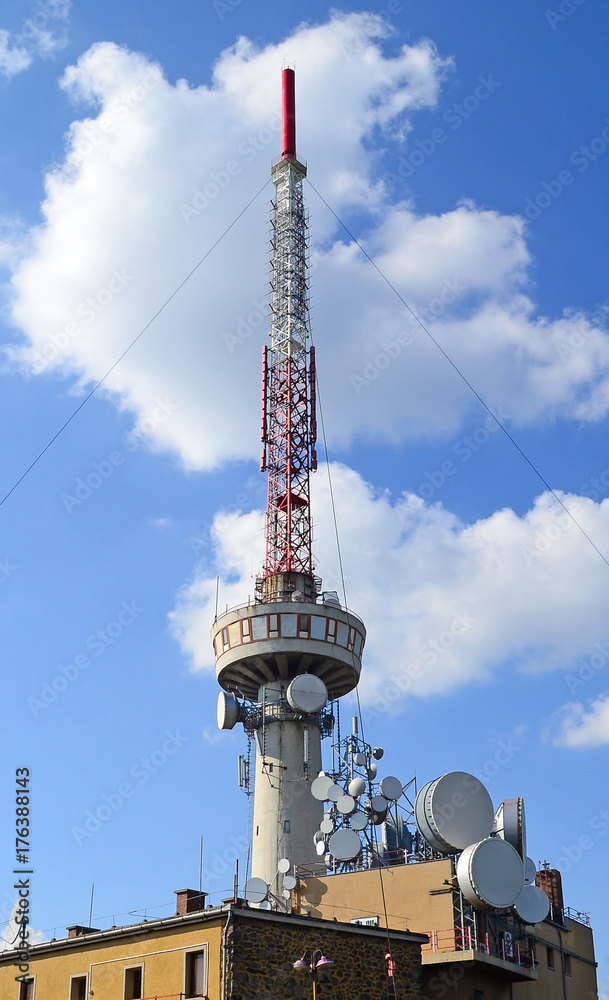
(289, 426)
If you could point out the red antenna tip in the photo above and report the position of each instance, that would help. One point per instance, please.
(288, 118)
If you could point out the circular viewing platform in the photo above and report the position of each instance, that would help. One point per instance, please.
(261, 643)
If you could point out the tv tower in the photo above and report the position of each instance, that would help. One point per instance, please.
(283, 659)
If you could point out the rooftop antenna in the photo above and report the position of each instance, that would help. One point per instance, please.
(91, 905)
(201, 865)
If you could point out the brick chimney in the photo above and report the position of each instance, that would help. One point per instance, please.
(189, 901)
(550, 880)
(77, 930)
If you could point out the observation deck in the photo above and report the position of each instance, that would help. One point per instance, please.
(260, 643)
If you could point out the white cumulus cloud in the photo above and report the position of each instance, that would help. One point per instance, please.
(582, 728)
(154, 173)
(445, 603)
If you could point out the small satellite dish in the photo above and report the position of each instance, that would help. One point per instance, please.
(359, 821)
(453, 812)
(228, 710)
(255, 890)
(371, 771)
(490, 874)
(335, 792)
(391, 788)
(532, 905)
(377, 753)
(320, 787)
(359, 759)
(530, 871)
(307, 693)
(265, 905)
(357, 786)
(290, 882)
(346, 804)
(283, 866)
(320, 847)
(286, 893)
(326, 825)
(378, 809)
(510, 824)
(317, 836)
(345, 845)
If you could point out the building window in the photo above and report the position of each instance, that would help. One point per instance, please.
(78, 988)
(133, 982)
(550, 955)
(26, 989)
(195, 974)
(566, 964)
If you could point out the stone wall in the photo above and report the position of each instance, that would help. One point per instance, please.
(262, 947)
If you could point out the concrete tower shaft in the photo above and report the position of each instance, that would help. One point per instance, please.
(265, 649)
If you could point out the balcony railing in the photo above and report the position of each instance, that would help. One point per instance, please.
(466, 939)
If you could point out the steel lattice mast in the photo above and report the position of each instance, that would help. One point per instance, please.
(288, 426)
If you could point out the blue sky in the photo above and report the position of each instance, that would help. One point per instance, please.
(464, 148)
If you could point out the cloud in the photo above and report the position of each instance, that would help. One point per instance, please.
(581, 729)
(445, 603)
(35, 40)
(157, 173)
(13, 58)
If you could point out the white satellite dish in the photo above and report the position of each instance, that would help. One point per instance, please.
(345, 845)
(326, 825)
(320, 787)
(530, 871)
(391, 788)
(490, 874)
(255, 890)
(346, 804)
(317, 836)
(283, 866)
(532, 905)
(359, 759)
(357, 786)
(290, 882)
(320, 847)
(265, 905)
(359, 821)
(453, 812)
(228, 710)
(510, 824)
(335, 792)
(371, 771)
(307, 693)
(286, 893)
